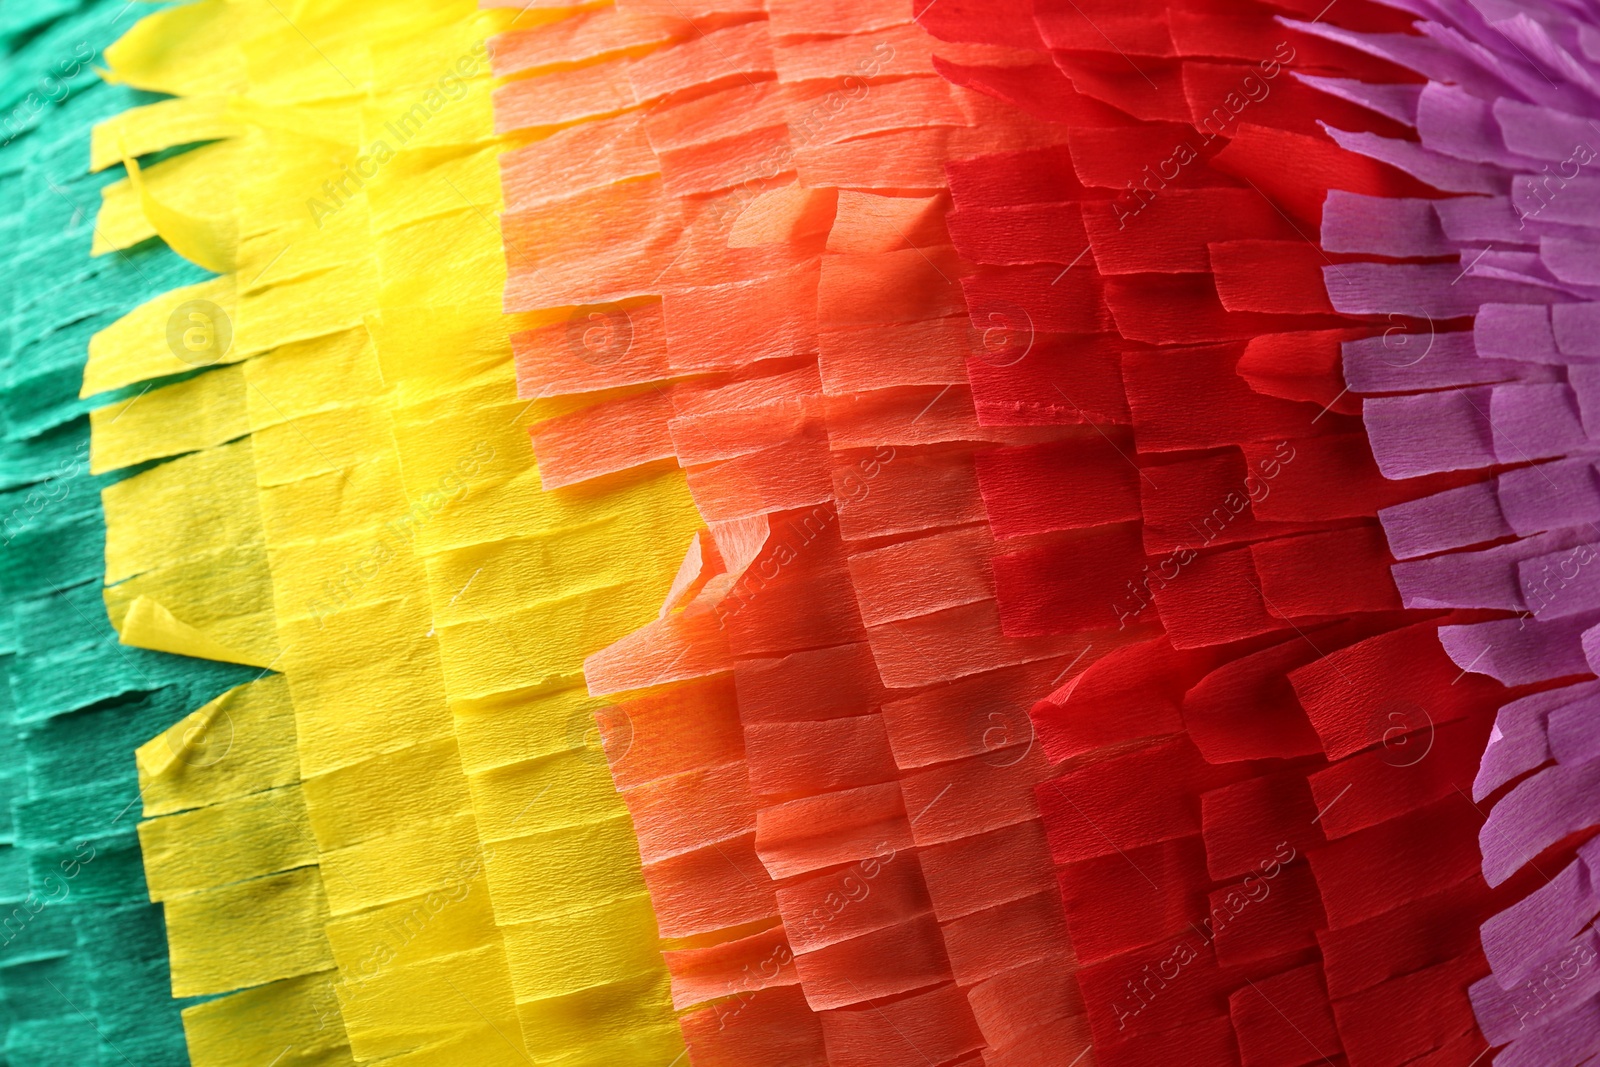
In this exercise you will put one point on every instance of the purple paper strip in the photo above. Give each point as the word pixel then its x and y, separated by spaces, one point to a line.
pixel 1568 980
pixel 1524 937
pixel 1510 116
pixel 1537 813
pixel 1455 518
pixel 1520 651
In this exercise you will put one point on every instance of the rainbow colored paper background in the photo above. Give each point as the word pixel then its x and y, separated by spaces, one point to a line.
pixel 783 532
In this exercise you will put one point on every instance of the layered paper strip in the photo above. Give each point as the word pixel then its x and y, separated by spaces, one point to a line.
pixel 1498 386
pixel 759 286
pixel 1262 836
pixel 83 957
pixel 1263 831
pixel 1070 522
pixel 409 848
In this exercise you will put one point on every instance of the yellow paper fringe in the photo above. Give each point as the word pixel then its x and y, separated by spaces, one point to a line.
pixel 404 845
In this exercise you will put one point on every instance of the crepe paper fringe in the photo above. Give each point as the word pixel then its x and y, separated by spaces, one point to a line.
pixel 83 964
pixel 1491 376
pixel 907 538
pixel 410 849
pixel 1262 829
pixel 757 284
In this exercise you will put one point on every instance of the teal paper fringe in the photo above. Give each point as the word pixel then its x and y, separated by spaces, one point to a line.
pixel 83 957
